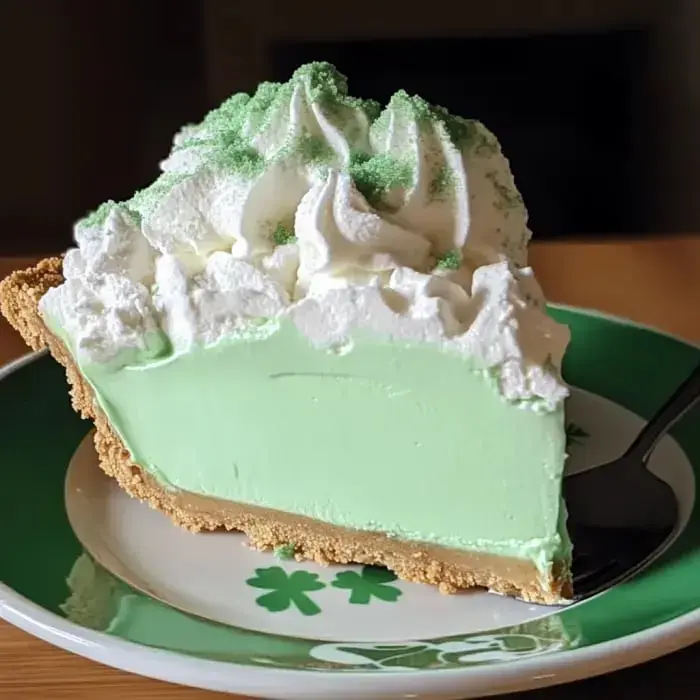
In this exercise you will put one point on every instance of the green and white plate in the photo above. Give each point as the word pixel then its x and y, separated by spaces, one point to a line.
pixel 219 615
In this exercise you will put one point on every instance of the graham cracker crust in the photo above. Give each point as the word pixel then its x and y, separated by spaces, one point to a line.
pixel 266 529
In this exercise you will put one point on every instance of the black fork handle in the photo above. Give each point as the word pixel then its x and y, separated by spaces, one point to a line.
pixel 683 400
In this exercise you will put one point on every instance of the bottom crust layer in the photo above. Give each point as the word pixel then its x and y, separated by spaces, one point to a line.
pixel 449 569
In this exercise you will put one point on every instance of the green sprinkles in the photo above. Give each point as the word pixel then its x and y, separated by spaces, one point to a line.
pixel 462 132
pixel 239 160
pixel 226 136
pixel 310 150
pixel 242 111
pixel 98 217
pixel 285 551
pixel 510 198
pixel 146 199
pixel 374 176
pixel 328 87
pixel 283 235
pixel 442 184
pixel 485 144
pixel 452 260
pixel 255 112
pixel 380 127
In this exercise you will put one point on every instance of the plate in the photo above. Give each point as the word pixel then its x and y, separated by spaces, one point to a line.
pixel 219 615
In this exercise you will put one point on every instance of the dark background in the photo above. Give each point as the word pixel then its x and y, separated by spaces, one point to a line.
pixel 596 102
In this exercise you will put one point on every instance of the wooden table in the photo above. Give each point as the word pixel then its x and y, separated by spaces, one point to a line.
pixel 656 282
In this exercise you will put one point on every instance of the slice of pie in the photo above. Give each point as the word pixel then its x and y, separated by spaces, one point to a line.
pixel 318 327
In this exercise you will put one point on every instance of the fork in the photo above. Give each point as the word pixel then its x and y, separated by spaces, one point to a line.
pixel 622 516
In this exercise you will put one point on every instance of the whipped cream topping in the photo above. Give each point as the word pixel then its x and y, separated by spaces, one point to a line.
pixel 301 202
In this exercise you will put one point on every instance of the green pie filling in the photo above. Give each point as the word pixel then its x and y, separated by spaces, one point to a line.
pixel 402 439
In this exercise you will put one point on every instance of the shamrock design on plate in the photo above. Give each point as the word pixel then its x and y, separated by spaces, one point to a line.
pixel 292 590
pixel 286 589
pixel 372 582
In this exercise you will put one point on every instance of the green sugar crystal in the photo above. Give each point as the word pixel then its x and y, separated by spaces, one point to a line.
pixel 267 102
pixel 462 132
pixel 97 218
pixel 374 176
pixel 451 260
pixel 238 159
pixel 285 551
pixel 484 144
pixel 311 150
pixel 509 198
pixel 254 112
pixel 242 116
pixel 328 87
pixel 247 117
pixel 442 183
pixel 283 235
pixel 380 127
pixel 237 119
pixel 416 106
pixel 314 149
pixel 240 110
pixel 147 198
pixel 325 82
pixel 224 140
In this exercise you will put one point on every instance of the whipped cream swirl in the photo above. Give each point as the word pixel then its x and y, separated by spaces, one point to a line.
pixel 301 202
